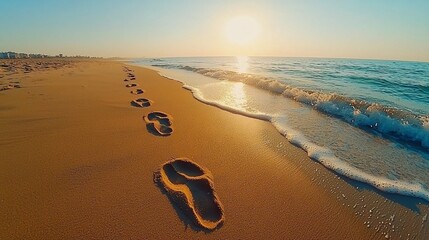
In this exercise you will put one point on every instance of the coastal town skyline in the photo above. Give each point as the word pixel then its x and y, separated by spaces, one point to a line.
pixel 20 55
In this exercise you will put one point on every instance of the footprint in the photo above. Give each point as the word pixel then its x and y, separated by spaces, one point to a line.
pixel 10 86
pixel 129 79
pixel 126 69
pixel 131 85
pixel 159 123
pixel 191 187
pixel 137 91
pixel 4 88
pixel 141 102
pixel 130 75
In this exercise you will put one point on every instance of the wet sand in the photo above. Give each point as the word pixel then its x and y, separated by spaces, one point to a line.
pixel 78 158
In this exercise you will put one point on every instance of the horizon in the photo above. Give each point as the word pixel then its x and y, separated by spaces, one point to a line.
pixel 219 56
pixel 309 57
pixel 308 29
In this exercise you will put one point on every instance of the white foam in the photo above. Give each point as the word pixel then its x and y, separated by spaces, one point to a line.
pixel 329 160
pixel 386 120
pixel 198 95
pixel 322 155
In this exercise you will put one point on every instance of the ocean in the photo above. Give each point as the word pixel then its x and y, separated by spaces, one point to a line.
pixel 367 120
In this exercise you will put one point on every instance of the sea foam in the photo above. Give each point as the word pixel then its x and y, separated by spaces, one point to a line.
pixel 397 123
pixel 320 154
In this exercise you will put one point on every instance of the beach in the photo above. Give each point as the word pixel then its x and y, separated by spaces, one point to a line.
pixel 78 162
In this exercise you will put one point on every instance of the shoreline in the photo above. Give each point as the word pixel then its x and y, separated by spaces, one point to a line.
pixel 79 164
pixel 371 211
pixel 316 152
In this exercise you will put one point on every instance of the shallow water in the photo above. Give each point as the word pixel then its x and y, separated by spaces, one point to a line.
pixel 365 119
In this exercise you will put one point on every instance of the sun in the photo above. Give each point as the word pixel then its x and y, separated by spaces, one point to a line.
pixel 242 30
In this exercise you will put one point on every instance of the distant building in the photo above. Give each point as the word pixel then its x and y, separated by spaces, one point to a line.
pixel 12 55
pixel 4 55
pixel 35 56
pixel 22 55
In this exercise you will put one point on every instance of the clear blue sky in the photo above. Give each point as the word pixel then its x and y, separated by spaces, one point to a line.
pixel 383 29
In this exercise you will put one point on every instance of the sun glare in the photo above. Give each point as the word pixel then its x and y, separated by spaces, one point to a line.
pixel 242 64
pixel 242 30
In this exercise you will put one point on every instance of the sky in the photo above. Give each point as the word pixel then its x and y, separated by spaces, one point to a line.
pixel 365 29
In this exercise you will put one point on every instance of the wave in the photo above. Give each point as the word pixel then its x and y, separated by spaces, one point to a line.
pixel 320 154
pixel 391 122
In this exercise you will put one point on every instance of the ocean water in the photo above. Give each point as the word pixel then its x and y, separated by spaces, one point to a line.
pixel 364 119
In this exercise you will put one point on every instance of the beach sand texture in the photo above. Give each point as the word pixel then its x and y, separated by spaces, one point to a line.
pixel 77 162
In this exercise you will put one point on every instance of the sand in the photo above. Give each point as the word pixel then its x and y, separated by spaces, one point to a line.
pixel 78 160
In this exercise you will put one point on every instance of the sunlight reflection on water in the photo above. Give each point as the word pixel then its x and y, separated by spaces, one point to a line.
pixel 234 95
pixel 242 64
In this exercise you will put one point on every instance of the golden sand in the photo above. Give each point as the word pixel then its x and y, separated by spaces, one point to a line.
pixel 77 162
